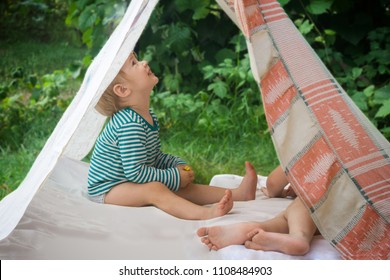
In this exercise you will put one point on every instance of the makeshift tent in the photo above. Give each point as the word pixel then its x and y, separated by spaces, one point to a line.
pixel 336 161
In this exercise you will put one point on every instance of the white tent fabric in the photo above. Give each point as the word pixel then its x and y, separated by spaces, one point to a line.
pixel 49 217
pixel 80 125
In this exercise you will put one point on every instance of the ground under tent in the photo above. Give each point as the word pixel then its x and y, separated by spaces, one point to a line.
pixel 335 159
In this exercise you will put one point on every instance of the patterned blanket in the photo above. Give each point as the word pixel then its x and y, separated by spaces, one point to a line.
pixel 335 159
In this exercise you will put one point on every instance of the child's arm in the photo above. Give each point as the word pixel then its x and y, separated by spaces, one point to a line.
pixel 164 160
pixel 133 153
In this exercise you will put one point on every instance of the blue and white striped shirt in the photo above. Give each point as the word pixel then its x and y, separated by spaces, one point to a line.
pixel 128 149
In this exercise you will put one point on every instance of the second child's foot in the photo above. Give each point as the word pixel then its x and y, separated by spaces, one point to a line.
pixel 218 237
pixel 247 189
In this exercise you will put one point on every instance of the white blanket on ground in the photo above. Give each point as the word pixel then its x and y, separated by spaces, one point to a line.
pixel 61 223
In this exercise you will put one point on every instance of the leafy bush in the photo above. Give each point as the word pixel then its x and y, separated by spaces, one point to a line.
pixel 36 19
pixel 95 19
pixel 28 97
pixel 32 102
pixel 230 104
pixel 354 47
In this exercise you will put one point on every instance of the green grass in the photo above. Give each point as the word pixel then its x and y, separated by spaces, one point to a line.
pixel 224 155
pixel 37 57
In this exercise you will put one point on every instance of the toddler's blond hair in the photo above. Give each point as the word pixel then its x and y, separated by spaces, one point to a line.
pixel 108 103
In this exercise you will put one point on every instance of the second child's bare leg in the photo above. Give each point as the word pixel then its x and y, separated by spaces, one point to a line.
pixel 204 194
pixel 295 242
pixel 218 237
pixel 156 194
pixel 276 181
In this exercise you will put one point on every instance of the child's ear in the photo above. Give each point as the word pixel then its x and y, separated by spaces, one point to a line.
pixel 121 90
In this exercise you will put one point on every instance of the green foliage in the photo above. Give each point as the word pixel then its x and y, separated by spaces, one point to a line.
pixel 95 20
pixel 19 109
pixel 318 7
pixel 354 45
pixel 227 106
pixel 33 96
pixel 35 19
pixel 188 45
pixel 232 95
pixel 27 93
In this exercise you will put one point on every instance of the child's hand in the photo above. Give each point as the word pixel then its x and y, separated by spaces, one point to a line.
pixel 285 192
pixel 288 192
pixel 186 175
pixel 265 191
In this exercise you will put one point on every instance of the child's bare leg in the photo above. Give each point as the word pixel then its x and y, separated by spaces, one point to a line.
pixel 204 194
pixel 276 182
pixel 296 242
pixel 280 242
pixel 155 193
pixel 277 178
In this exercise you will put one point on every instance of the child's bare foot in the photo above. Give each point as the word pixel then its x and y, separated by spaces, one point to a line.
pixel 218 237
pixel 247 189
pixel 222 207
pixel 280 242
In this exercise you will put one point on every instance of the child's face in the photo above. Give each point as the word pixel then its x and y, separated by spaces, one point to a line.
pixel 138 74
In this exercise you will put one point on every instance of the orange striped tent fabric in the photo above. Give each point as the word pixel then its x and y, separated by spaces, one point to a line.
pixel 335 159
